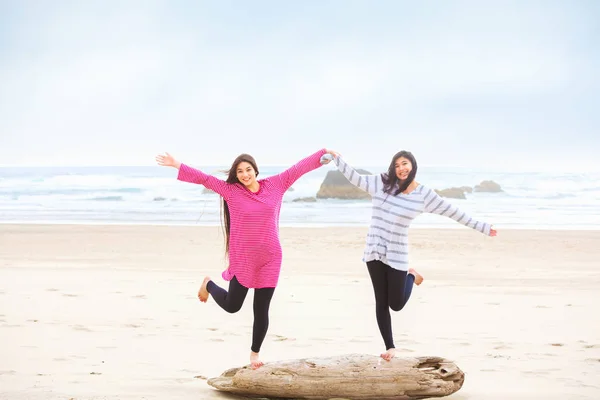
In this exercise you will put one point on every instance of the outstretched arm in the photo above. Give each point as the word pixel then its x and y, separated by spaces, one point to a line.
pixel 304 166
pixel 193 175
pixel 435 204
pixel 369 183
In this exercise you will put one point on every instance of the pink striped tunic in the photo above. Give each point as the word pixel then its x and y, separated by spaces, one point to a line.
pixel 254 248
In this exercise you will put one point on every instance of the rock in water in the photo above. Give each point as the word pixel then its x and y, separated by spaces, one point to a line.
pixel 336 186
pixel 453 193
pixel 488 186
pixel 350 376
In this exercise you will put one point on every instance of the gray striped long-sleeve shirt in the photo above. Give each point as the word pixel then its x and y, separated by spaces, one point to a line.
pixel 387 237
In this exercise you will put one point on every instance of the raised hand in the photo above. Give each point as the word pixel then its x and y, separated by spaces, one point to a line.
pixel 333 153
pixel 326 160
pixel 167 160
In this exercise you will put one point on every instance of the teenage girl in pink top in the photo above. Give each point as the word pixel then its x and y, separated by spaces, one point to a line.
pixel 251 220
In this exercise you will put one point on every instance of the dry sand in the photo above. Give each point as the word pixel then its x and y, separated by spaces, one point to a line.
pixel 94 312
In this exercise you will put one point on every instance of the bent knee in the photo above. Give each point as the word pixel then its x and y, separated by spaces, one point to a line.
pixel 397 307
pixel 233 309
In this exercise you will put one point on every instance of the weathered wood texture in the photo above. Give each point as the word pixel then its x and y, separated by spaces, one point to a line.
pixel 350 376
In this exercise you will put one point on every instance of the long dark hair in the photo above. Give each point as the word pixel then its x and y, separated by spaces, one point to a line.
pixel 391 181
pixel 232 178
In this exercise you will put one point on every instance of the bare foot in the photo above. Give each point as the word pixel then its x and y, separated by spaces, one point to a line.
pixel 203 293
pixel 388 355
pixel 254 361
pixel 418 276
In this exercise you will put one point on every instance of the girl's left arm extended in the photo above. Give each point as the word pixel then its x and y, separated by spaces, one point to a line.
pixel 287 178
pixel 435 204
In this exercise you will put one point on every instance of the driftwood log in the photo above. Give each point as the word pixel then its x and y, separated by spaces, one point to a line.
pixel 350 376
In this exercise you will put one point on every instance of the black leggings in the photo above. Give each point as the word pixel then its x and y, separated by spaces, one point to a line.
pixel 392 290
pixel 232 303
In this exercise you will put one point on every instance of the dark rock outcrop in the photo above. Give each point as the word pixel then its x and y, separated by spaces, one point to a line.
pixel 453 193
pixel 305 200
pixel 336 186
pixel 488 186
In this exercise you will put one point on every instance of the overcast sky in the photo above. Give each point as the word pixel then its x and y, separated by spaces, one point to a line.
pixel 459 83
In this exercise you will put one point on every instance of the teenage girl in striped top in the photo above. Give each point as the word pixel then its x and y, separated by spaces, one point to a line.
pixel 251 210
pixel 397 199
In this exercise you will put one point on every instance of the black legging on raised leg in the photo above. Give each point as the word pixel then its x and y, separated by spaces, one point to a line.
pixel 232 302
pixel 392 289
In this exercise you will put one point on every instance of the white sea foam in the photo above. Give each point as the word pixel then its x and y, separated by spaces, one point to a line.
pixel 153 195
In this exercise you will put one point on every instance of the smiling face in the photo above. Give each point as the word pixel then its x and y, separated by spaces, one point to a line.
pixel 245 174
pixel 402 167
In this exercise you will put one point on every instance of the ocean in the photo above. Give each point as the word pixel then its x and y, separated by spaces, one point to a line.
pixel 152 195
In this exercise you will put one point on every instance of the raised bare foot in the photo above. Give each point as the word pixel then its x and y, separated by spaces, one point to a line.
pixel 389 354
pixel 254 361
pixel 203 293
pixel 418 276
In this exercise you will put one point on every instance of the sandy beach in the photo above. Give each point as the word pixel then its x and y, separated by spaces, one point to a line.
pixel 110 312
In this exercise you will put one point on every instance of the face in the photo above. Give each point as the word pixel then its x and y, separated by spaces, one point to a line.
pixel 245 173
pixel 403 168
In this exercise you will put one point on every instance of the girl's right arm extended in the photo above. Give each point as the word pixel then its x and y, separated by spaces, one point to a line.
pixel 369 183
pixel 193 175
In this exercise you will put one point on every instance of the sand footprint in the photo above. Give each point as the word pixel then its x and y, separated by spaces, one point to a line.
pixel 187 371
pixel 142 335
pixel 536 372
pixel 52 290
pixel 400 350
pixel 233 333
pixel 280 338
pixel 81 328
pixel 359 340
pixel 325 340
pixel 490 355
pixel 408 341
pixel 70 295
pixel 301 345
